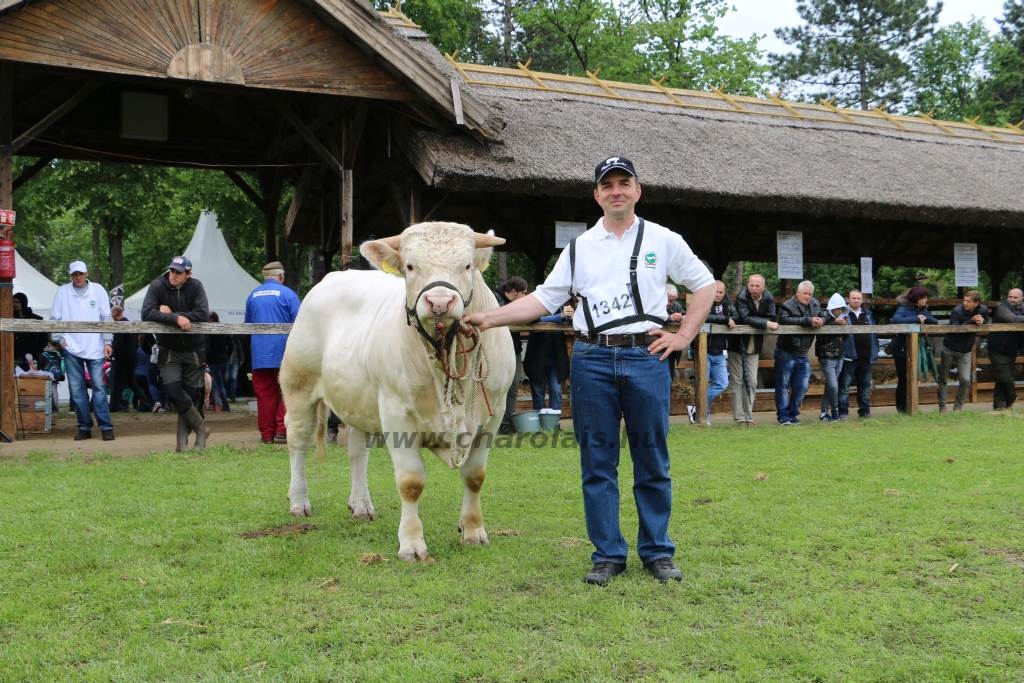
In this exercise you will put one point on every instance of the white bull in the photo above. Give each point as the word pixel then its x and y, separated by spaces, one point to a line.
pixel 360 347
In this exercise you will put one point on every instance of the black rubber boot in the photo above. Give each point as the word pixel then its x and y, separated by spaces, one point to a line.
pixel 197 424
pixel 182 441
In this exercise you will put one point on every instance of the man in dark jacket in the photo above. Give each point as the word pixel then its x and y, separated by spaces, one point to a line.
pixel 178 299
pixel 27 343
pixel 1003 348
pixel 792 367
pixel 755 307
pixel 859 355
pixel 957 349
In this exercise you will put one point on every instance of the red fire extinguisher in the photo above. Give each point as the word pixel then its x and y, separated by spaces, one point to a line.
pixel 6 258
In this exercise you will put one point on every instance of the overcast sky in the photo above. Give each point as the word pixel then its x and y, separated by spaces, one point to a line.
pixel 764 16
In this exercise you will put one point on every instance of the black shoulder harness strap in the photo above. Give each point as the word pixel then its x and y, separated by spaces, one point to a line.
pixel 634 290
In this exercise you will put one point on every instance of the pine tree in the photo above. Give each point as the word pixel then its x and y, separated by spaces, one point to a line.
pixel 855 51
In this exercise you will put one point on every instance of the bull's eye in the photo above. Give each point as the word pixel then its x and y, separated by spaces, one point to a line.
pixel 468 266
pixel 409 267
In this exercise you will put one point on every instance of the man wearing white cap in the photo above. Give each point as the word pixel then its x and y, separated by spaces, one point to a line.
pixel 82 300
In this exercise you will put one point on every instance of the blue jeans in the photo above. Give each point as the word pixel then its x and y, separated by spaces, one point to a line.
pixel 549 383
pixel 831 368
pixel 610 385
pixel 718 377
pixel 859 371
pixel 792 374
pixel 74 368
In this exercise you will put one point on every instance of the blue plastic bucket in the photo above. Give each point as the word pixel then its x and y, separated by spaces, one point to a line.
pixel 549 419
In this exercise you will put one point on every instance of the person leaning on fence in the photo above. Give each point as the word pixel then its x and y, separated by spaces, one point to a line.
pixel 792 366
pixel 829 348
pixel 27 344
pixel 860 354
pixel 1003 348
pixel 619 269
pixel 177 299
pixel 912 309
pixel 755 307
pixel 957 349
pixel 82 300
pixel 721 313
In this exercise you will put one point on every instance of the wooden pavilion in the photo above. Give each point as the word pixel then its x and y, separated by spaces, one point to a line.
pixel 375 129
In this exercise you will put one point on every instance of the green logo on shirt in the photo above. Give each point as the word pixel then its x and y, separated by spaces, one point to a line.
pixel 651 260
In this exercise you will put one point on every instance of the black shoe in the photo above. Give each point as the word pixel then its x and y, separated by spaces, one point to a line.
pixel 604 572
pixel 664 570
pixel 108 434
pixel 280 438
pixel 82 436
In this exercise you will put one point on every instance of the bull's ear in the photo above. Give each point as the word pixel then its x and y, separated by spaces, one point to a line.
pixel 482 258
pixel 487 240
pixel 383 254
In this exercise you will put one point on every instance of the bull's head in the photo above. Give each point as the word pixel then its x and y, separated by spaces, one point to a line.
pixel 439 262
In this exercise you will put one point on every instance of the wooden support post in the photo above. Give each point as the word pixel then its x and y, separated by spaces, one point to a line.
pixel 345 208
pixel 912 362
pixel 974 374
pixel 700 377
pixel 8 387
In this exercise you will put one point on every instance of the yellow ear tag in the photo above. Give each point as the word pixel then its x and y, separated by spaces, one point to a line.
pixel 388 268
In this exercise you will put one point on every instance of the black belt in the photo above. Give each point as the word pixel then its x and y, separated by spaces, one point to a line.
pixel 642 339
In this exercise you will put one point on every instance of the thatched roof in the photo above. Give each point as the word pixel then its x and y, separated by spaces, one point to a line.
pixel 716 151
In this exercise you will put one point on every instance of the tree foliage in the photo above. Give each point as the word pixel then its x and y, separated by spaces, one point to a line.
pixel 1003 94
pixel 855 51
pixel 950 71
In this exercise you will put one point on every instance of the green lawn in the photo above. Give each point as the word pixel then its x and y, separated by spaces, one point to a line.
pixel 888 550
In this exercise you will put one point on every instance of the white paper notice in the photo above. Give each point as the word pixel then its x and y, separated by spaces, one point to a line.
pixel 867 281
pixel 790 247
pixel 965 261
pixel 565 231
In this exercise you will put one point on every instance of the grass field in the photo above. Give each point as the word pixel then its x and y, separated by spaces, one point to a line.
pixel 887 550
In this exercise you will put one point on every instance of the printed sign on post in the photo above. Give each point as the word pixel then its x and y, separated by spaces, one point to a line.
pixel 867 280
pixel 790 249
pixel 566 230
pixel 7 217
pixel 965 261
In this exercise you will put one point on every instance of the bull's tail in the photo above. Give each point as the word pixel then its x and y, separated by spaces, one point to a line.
pixel 320 433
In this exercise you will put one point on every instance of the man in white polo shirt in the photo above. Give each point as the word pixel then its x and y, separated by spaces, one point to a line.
pixel 82 300
pixel 619 269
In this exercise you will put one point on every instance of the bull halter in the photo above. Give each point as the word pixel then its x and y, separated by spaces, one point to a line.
pixel 439 343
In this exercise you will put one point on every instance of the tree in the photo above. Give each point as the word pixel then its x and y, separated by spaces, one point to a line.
pixel 949 71
pixel 453 25
pixel 1003 94
pixel 855 50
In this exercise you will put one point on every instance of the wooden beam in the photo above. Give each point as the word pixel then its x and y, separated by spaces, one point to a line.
pixel 912 381
pixel 311 140
pixel 29 172
pixel 54 116
pixel 700 376
pixel 245 187
pixel 355 124
pixel 8 387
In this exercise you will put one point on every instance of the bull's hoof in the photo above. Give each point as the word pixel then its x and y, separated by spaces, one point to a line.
pixel 362 510
pixel 302 509
pixel 475 537
pixel 415 553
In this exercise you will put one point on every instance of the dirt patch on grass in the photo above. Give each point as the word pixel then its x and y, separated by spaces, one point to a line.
pixel 1008 555
pixel 285 530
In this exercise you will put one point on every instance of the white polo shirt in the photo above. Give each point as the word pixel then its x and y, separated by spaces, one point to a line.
pixel 602 275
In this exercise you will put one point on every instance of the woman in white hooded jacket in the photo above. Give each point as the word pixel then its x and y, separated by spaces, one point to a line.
pixel 829 348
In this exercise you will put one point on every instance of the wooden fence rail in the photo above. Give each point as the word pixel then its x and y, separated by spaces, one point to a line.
pixel 11 325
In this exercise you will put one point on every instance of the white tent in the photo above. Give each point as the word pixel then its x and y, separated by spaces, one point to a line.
pixel 39 289
pixel 227 284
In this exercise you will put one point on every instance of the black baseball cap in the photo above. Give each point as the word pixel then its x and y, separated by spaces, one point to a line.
pixel 611 164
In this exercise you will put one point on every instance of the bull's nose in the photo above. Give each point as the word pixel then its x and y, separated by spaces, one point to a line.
pixel 440 303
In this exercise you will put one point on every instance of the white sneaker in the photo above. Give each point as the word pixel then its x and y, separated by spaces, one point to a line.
pixel 691 412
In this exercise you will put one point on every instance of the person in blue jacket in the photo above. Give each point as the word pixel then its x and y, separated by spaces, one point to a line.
pixel 913 309
pixel 271 302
